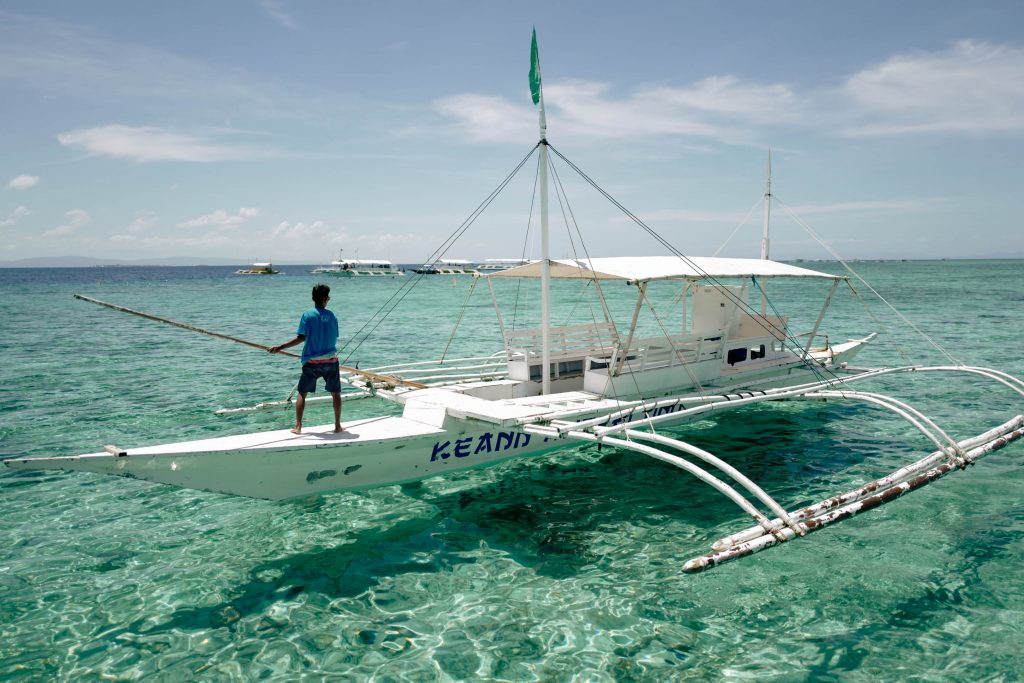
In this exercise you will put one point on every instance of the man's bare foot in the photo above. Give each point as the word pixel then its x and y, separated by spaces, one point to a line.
pixel 338 429
pixel 297 430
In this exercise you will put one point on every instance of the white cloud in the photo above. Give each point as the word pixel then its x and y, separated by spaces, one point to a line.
pixel 687 216
pixel 275 9
pixel 23 182
pixel 721 108
pixel 15 216
pixel 148 144
pixel 886 206
pixel 971 87
pixel 484 118
pixel 221 219
pixel 974 86
pixel 213 244
pixel 144 222
pixel 301 231
pixel 61 58
pixel 74 219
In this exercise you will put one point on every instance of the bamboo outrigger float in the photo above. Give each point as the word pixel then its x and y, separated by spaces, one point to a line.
pixel 558 386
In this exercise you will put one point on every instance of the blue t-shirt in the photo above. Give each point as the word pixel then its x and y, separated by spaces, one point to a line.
pixel 320 328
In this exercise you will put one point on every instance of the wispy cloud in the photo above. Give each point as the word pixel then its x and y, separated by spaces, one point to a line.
pixel 63 58
pixel 23 182
pixel 14 216
pixel 276 10
pixel 722 108
pixel 221 219
pixel 151 144
pixel 286 230
pixel 688 216
pixel 881 206
pixel 74 219
pixel 482 118
pixel 972 87
pixel 144 222
pixel 888 207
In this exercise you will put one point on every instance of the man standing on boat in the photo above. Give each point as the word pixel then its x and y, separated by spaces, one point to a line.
pixel 318 328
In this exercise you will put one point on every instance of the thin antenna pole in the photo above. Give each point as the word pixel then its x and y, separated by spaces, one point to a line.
pixel 545 251
pixel 545 255
pixel 764 235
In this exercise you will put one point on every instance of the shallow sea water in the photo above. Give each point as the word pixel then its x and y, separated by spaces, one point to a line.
pixel 564 566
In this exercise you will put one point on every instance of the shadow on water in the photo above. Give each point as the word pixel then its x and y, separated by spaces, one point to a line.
pixel 343 571
pixel 544 516
pixel 954 591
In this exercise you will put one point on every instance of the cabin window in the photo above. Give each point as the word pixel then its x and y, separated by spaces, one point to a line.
pixel 736 356
pixel 567 368
pixel 570 368
pixel 756 353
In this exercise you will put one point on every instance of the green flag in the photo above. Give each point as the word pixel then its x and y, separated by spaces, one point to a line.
pixel 535 70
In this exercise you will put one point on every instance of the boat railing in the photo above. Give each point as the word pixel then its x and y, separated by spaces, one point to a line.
pixel 663 352
pixel 803 338
pixel 572 340
pixel 448 371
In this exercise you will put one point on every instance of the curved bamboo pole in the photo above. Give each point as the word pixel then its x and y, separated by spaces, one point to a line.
pixel 387 379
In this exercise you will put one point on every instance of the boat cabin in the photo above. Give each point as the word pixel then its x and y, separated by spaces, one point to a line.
pixel 722 334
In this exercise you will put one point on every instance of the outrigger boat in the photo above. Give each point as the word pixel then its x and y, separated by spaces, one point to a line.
pixel 596 383
pixel 493 265
pixel 259 268
pixel 342 267
pixel 447 266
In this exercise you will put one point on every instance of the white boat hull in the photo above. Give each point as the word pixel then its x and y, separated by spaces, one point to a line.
pixel 439 434
pixel 279 465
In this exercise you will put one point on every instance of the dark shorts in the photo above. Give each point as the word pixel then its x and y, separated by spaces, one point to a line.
pixel 311 372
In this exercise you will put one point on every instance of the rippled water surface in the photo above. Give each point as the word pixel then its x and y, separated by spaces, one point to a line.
pixel 558 567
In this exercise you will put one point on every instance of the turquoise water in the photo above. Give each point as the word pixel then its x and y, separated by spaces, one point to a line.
pixel 559 567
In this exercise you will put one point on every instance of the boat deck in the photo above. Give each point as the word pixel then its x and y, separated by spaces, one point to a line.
pixel 431 406
pixel 372 429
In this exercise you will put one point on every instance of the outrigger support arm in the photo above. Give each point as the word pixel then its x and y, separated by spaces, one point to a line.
pixel 501 321
pixel 626 431
pixel 702 474
pixel 817 323
pixel 867 497
pixel 624 350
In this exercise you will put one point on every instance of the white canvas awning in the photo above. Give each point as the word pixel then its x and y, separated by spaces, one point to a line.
pixel 647 268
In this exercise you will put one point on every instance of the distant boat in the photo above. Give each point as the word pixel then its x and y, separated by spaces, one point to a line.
pixel 448 266
pixel 265 268
pixel 359 268
pixel 493 265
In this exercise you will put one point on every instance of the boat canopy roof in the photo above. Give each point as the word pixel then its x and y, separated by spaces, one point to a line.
pixel 647 268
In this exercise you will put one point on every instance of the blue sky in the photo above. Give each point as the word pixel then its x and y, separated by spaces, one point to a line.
pixel 290 130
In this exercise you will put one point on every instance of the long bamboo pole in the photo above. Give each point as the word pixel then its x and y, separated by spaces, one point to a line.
pixel 388 379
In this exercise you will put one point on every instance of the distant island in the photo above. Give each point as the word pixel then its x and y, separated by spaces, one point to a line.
pixel 87 261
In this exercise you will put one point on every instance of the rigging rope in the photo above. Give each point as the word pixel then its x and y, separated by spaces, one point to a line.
pixel 881 298
pixel 737 228
pixel 462 312
pixel 743 305
pixel 403 291
pixel 882 326
pixel 526 242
